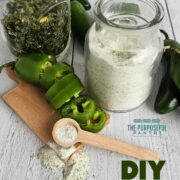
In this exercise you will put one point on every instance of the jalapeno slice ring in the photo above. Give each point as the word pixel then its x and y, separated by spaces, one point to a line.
pixel 80 109
pixel 97 123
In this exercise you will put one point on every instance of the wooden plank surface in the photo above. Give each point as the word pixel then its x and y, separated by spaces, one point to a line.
pixel 18 144
pixel 173 9
pixel 106 165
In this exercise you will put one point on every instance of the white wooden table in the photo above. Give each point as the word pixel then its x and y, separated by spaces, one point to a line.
pixel 18 144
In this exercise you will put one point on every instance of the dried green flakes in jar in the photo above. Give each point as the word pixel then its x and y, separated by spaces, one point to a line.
pixel 39 26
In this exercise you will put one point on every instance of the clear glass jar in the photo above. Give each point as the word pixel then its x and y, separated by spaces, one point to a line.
pixel 36 26
pixel 123 51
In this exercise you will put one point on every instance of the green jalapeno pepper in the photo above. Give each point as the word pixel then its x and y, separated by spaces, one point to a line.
pixel 175 68
pixel 81 20
pixel 85 3
pixel 172 44
pixel 30 67
pixel 63 90
pixel 167 100
pixel 57 71
pixel 96 123
pixel 80 109
pixel 168 96
pixel 174 47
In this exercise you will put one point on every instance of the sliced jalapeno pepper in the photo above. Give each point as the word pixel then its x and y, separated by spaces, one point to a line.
pixel 97 122
pixel 63 90
pixel 30 67
pixel 57 71
pixel 80 109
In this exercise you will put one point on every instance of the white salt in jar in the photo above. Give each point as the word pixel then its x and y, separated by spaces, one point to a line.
pixel 123 50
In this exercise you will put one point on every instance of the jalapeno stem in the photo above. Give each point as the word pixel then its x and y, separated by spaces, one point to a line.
pixel 9 64
pixel 164 33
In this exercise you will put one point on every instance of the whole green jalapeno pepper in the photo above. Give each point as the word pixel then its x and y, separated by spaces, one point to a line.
pixel 167 100
pixel 175 68
pixel 172 44
pixel 168 96
pixel 30 67
pixel 63 90
pixel 173 47
pixel 55 72
pixel 96 123
pixel 81 20
pixel 80 109
pixel 85 3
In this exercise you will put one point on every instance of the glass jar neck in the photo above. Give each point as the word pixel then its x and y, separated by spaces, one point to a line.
pixel 130 16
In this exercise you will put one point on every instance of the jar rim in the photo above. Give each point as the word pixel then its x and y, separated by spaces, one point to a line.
pixel 159 15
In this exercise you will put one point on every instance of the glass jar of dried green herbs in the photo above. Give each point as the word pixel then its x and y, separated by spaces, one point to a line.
pixel 38 26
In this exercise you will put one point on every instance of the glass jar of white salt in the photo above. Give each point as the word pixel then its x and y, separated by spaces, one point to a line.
pixel 123 51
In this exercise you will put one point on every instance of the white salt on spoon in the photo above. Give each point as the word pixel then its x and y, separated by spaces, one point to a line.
pixel 67 132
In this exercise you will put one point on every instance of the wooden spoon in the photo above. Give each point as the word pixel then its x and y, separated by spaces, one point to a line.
pixel 103 142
